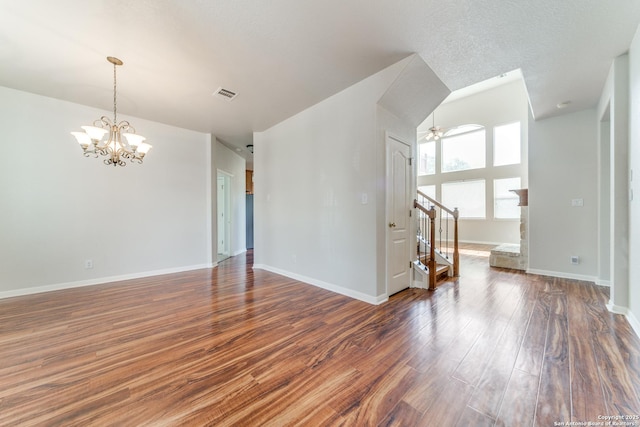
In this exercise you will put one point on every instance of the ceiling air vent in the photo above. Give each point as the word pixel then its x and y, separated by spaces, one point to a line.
pixel 225 94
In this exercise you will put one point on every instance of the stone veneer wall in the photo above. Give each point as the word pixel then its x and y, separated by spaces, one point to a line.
pixel 514 256
pixel 524 239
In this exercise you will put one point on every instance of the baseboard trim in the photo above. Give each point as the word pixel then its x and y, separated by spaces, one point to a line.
pixel 325 285
pixel 601 282
pixel 240 252
pixel 562 275
pixel 617 309
pixel 631 318
pixel 100 281
pixel 633 321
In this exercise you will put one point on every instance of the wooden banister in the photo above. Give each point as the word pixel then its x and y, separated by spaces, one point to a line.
pixel 432 265
pixel 431 262
pixel 456 251
pixel 437 203
pixel 431 213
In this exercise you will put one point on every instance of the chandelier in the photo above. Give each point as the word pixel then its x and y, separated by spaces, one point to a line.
pixel 93 142
pixel 435 132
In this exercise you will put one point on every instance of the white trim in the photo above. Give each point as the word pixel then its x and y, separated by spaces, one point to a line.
pixel 224 172
pixel 601 282
pixel 617 309
pixel 419 284
pixel 209 198
pixel 228 212
pixel 100 281
pixel 562 275
pixel 413 179
pixel 241 251
pixel 633 321
pixel 631 318
pixel 324 285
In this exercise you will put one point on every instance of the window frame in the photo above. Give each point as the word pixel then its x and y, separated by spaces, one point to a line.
pixel 451 135
pixel 495 141
pixel 495 199
pixel 461 210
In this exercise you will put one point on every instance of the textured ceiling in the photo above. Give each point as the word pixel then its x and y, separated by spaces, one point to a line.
pixel 283 56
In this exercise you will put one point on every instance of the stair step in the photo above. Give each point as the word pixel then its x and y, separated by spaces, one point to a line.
pixel 442 274
pixel 441 269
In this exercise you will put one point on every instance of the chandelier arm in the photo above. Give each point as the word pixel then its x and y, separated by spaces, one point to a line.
pixel 103 121
pixel 119 143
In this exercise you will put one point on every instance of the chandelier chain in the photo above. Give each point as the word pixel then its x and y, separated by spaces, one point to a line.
pixel 115 117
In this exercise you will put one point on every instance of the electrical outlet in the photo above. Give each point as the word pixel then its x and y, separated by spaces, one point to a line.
pixel 577 202
pixel 88 264
pixel 575 259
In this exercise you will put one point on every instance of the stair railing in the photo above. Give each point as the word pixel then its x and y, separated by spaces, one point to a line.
pixel 426 233
pixel 442 241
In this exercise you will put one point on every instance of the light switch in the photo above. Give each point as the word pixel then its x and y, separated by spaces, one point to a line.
pixel 577 202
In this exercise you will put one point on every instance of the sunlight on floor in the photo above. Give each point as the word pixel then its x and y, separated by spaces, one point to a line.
pixel 476 252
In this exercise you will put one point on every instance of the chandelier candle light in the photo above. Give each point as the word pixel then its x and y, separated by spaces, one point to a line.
pixel 132 147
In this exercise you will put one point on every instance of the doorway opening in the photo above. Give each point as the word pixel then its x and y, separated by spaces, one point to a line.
pixel 224 215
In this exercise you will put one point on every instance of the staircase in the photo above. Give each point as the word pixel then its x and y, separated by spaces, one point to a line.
pixel 438 256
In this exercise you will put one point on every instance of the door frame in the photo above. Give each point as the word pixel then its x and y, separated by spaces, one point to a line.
pixel 411 188
pixel 226 211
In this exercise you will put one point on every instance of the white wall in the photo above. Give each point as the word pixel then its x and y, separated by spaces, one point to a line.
pixel 60 208
pixel 414 94
pixel 498 106
pixel 563 166
pixel 311 175
pixel 234 165
pixel 634 165
pixel 614 104
pixel 319 181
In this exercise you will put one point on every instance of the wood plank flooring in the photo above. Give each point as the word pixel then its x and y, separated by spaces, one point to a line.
pixel 237 347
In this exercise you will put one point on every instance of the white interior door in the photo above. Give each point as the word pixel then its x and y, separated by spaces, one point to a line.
pixel 224 219
pixel 398 220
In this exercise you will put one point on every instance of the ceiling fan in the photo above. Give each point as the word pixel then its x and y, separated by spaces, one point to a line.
pixel 435 132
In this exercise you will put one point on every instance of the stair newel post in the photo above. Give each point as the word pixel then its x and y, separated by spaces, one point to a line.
pixel 456 253
pixel 432 251
pixel 420 228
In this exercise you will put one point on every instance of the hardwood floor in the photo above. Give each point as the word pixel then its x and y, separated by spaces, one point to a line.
pixel 231 346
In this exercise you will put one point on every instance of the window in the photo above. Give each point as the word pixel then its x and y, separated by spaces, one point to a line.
pixel 463 151
pixel 427 158
pixel 429 190
pixel 505 202
pixel 506 144
pixel 467 196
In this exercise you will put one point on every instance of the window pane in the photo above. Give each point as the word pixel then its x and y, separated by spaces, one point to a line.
pixel 462 152
pixel 427 156
pixel 505 201
pixel 462 129
pixel 506 144
pixel 429 190
pixel 467 196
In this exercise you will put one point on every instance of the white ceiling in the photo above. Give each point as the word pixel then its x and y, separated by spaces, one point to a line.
pixel 282 56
